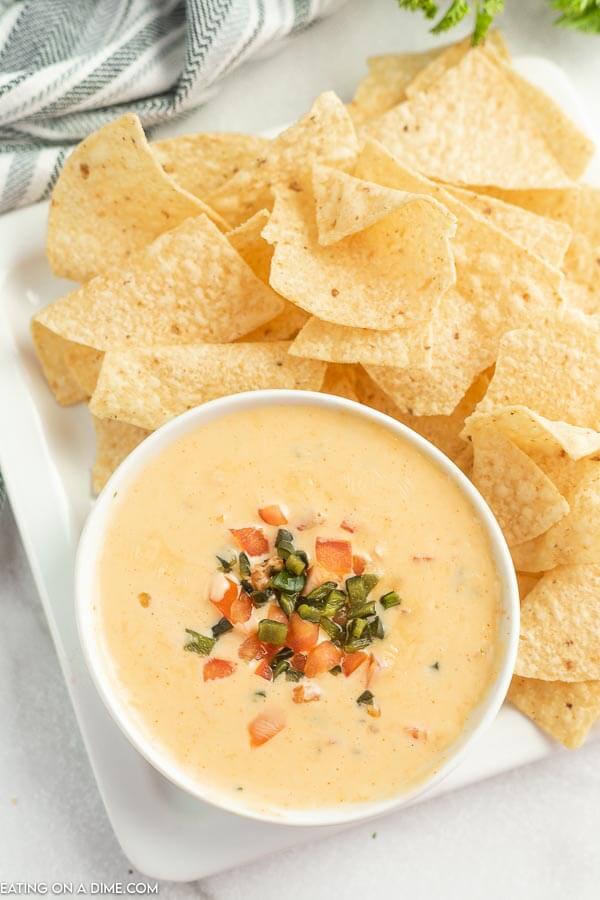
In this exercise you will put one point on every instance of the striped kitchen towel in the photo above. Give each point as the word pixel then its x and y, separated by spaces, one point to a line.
pixel 69 66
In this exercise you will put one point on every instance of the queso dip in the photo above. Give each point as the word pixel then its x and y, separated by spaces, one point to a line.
pixel 300 606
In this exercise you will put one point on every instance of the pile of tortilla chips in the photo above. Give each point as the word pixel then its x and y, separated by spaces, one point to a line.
pixel 428 250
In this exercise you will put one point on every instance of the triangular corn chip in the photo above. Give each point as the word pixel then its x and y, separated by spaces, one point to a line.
pixel 325 134
pixel 344 344
pixel 560 626
pixel 112 199
pixel 547 237
pixel 388 276
pixel 202 163
pixel 555 371
pixel 84 364
pixel 565 710
pixel 345 205
pixel 114 441
pixel 439 131
pixel 189 285
pixel 51 350
pixel 148 387
pixel 523 499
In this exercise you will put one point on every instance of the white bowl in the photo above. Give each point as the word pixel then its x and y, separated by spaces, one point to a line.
pixel 87 604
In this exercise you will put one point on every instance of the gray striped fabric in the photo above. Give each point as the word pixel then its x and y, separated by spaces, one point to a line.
pixel 69 66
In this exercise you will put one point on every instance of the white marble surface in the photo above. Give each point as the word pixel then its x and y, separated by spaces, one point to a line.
pixel 530 834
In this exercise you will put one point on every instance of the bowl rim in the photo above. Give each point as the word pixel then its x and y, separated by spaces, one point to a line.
pixel 86 591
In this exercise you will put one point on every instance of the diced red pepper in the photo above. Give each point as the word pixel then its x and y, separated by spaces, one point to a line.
pixel 358 564
pixel 322 658
pixel 352 661
pixel 264 670
pixel 347 525
pixel 240 610
pixel 302 635
pixel 335 556
pixel 224 602
pixel 298 661
pixel 251 540
pixel 265 726
pixel 252 648
pixel 302 694
pixel 217 668
pixel 272 515
pixel 276 614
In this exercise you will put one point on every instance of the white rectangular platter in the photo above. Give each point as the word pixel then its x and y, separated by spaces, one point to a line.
pixel 45 456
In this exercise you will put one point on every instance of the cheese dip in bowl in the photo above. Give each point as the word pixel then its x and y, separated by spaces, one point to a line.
pixel 295 607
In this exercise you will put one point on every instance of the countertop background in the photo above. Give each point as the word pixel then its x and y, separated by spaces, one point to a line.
pixel 532 833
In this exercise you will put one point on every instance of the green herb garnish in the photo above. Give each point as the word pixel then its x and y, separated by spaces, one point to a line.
pixel 244 564
pixel 392 598
pixel 310 613
pixel 319 594
pixel 295 564
pixel 272 632
pixel 337 670
pixel 259 598
pixel 279 668
pixel 334 631
pixel 287 602
pixel 226 565
pixel 285 581
pixel 222 627
pixel 294 675
pixel 199 643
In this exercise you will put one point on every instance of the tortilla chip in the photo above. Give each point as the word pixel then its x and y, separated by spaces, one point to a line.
pixel 189 285
pixel 527 581
pixel 538 234
pixel 390 75
pixel 345 205
pixel 114 441
pixel 325 134
pixel 473 316
pixel 149 387
pixel 51 352
pixel 438 131
pixel 202 163
pixel 566 711
pixel 555 371
pixel 385 84
pixel 112 199
pixel 523 499
pixel 283 327
pixel 84 364
pixel 391 274
pixel 576 537
pixel 494 47
pixel 560 627
pixel 535 434
pixel 247 239
pixel 443 431
pixel 341 381
pixel 572 149
pixel 343 344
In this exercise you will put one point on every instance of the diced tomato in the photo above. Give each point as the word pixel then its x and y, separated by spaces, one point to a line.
pixel 347 525
pixel 322 658
pixel 335 556
pixel 358 564
pixel 352 661
pixel 265 726
pixel 251 540
pixel 252 648
pixel 305 693
pixel 276 614
pixel 302 635
pixel 272 515
pixel 223 593
pixel 217 668
pixel 298 661
pixel 240 610
pixel 264 670
pixel 372 669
